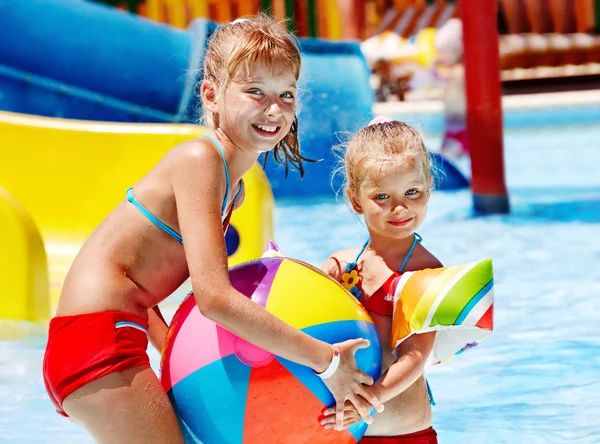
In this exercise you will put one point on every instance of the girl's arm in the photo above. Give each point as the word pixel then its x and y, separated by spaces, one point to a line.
pixel 412 357
pixel 412 353
pixel 199 186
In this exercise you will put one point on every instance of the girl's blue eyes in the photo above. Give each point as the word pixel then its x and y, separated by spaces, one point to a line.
pixel 382 196
pixel 258 92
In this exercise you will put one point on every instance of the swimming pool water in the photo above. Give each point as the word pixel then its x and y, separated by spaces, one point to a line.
pixel 534 380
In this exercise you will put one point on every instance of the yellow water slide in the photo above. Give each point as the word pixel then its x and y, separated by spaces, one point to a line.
pixel 59 178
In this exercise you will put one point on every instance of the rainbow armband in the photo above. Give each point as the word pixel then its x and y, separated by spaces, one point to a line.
pixel 456 302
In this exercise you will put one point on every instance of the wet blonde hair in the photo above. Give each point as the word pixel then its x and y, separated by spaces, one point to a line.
pixel 389 142
pixel 233 50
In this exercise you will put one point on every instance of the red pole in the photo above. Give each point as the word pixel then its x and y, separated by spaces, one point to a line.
pixel 484 105
pixel 353 17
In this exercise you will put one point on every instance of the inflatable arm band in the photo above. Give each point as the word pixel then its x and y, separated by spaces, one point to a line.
pixel 457 302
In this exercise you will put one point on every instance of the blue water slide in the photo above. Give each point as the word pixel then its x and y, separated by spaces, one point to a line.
pixel 78 59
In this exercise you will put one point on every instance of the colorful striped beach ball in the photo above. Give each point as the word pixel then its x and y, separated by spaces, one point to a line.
pixel 226 390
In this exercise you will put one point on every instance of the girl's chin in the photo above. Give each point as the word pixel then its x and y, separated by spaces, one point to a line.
pixel 265 147
pixel 262 150
pixel 258 146
pixel 399 233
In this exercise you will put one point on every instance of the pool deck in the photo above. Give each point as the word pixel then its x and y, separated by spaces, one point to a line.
pixel 517 101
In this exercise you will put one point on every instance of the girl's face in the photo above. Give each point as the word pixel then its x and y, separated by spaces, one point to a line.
pixel 257 111
pixel 393 200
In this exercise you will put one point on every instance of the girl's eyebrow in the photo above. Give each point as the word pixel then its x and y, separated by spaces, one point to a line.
pixel 260 82
pixel 415 181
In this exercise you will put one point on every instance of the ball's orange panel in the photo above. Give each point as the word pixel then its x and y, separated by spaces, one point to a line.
pixel 293 411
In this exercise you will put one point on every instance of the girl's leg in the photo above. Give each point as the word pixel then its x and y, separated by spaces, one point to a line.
pixel 125 407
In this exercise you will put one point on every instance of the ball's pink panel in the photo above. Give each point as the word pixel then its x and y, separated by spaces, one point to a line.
pixel 195 341
pixel 250 354
pixel 199 342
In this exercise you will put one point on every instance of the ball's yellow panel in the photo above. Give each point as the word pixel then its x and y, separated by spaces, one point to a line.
pixel 303 296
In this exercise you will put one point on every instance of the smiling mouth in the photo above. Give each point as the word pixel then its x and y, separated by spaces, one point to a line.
pixel 399 223
pixel 266 130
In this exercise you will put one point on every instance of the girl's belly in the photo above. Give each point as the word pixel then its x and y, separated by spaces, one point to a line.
pixel 407 413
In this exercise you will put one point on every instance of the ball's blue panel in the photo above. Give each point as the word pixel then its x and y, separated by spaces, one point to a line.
pixel 194 399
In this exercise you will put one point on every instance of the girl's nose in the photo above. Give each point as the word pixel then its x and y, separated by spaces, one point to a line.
pixel 274 110
pixel 399 208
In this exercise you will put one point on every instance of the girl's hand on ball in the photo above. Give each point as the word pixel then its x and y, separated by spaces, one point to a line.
pixel 348 384
pixel 351 417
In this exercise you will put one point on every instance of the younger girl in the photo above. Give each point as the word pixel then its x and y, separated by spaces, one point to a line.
pixel 170 226
pixel 388 181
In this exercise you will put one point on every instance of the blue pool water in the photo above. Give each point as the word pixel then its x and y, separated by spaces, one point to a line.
pixel 534 380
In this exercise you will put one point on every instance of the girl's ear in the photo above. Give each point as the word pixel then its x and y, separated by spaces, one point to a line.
pixel 209 94
pixel 354 201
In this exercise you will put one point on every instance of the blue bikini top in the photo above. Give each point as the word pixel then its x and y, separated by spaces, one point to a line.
pixel 171 232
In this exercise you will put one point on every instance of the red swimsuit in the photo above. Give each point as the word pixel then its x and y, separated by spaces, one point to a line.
pixel 382 300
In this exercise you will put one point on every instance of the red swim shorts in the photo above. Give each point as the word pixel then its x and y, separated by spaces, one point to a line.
pixel 427 436
pixel 86 347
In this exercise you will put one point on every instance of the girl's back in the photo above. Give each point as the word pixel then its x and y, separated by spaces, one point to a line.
pixel 134 268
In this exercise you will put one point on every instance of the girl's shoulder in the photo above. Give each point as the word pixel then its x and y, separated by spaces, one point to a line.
pixel 196 156
pixel 195 166
pixel 422 260
pixel 336 263
pixel 200 149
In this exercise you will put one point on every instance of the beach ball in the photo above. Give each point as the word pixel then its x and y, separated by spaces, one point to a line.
pixel 226 390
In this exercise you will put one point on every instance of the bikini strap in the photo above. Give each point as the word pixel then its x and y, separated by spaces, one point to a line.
pixel 227 186
pixel 239 191
pixel 235 198
pixel 430 393
pixel 417 237
pixel 352 264
pixel 170 231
